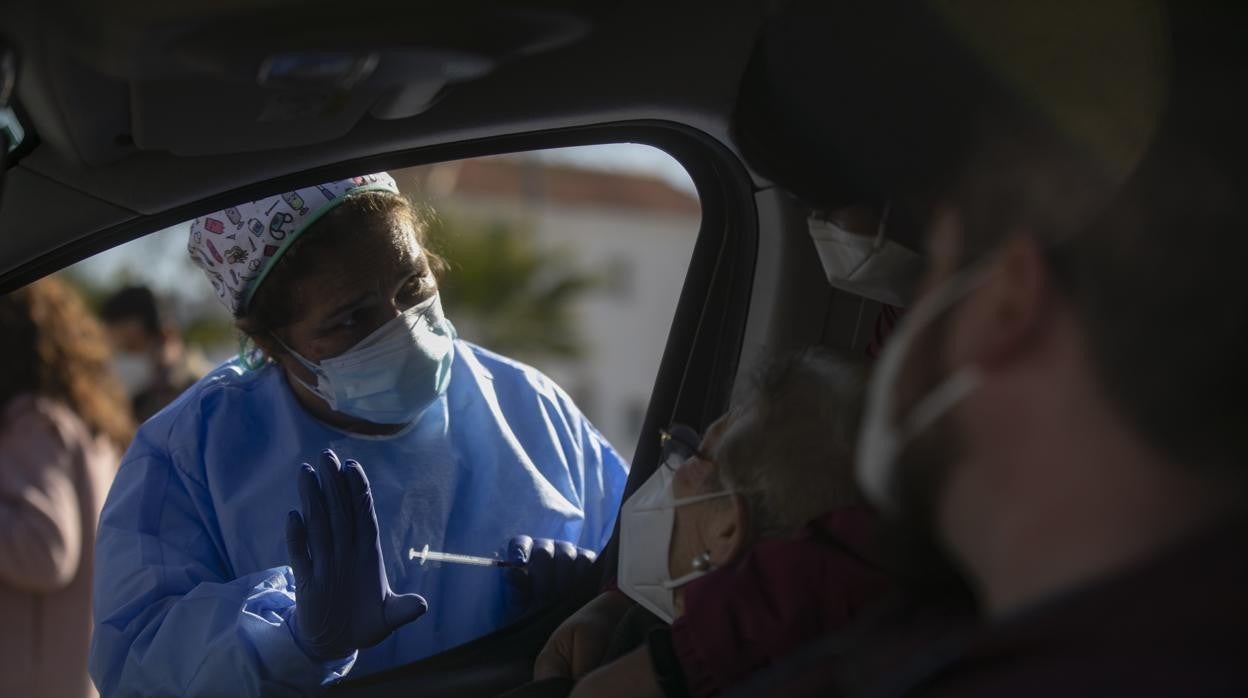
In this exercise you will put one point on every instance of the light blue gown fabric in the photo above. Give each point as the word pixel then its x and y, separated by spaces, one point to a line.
pixel 192 591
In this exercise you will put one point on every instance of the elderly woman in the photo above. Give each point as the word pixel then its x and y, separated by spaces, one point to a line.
pixel 748 544
pixel 227 568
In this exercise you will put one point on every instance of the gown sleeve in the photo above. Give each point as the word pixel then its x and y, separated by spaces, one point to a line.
pixel 170 619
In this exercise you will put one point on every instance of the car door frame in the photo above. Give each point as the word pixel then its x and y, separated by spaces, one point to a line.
pixel 693 383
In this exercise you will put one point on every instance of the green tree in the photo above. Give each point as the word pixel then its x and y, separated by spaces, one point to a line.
pixel 506 293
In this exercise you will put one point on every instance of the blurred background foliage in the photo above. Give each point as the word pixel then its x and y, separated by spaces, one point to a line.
pixel 500 289
pixel 505 292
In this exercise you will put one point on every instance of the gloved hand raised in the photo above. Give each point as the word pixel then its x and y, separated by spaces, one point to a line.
pixel 343 598
pixel 551 567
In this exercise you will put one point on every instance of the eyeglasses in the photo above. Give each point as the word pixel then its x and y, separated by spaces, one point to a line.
pixel 677 444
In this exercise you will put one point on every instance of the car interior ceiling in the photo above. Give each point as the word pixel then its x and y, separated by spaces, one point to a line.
pixel 110 187
pixel 114 160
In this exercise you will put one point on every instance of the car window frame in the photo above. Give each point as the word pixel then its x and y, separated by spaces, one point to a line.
pixel 693 381
pixel 693 385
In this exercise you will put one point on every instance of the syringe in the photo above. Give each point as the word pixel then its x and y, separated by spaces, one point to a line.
pixel 427 555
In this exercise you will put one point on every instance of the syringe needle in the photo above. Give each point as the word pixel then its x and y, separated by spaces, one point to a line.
pixel 427 555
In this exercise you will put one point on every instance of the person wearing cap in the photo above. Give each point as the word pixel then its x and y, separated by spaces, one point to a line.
pixel 229 565
pixel 149 356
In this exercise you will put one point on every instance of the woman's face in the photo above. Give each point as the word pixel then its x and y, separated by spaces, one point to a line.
pixel 343 293
pixel 355 287
pixel 713 526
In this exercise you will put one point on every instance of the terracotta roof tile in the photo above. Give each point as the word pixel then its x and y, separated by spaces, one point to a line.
pixel 518 179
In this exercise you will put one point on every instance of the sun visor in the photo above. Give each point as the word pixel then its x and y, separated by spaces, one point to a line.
pixel 264 78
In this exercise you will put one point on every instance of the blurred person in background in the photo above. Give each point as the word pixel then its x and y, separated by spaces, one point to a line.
pixel 63 424
pixel 151 360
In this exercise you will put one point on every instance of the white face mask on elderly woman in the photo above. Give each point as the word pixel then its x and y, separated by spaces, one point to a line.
pixel 646 522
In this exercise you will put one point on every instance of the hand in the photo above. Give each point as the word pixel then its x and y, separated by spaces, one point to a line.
pixel 343 597
pixel 551 567
pixel 630 676
pixel 579 643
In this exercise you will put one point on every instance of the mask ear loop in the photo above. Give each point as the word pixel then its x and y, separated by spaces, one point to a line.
pixel 956 386
pixel 316 371
pixel 862 307
pixel 250 356
pixel 877 244
pixel 950 392
pixel 882 228
pixel 682 580
pixel 701 562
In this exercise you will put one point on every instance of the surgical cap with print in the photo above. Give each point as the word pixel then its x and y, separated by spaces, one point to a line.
pixel 237 247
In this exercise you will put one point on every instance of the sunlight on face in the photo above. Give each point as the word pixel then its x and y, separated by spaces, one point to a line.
pixel 692 478
pixel 357 285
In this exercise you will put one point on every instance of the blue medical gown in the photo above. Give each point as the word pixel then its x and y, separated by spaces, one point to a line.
pixel 193 595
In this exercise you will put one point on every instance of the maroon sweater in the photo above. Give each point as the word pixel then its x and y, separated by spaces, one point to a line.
pixel 778 596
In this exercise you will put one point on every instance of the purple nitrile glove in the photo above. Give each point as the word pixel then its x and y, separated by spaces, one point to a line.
pixel 550 569
pixel 343 600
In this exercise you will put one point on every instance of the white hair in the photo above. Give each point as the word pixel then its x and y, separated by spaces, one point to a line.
pixel 789 445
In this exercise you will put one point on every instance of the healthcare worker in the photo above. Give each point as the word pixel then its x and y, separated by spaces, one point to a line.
pixel 350 357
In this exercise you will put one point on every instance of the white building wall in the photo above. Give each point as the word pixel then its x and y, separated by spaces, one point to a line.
pixel 625 325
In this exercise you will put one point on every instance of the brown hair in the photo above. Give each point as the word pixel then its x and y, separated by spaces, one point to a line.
pixel 789 448
pixel 53 347
pixel 273 305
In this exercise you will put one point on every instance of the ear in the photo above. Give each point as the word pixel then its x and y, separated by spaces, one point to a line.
pixel 727 530
pixel 274 350
pixel 267 344
pixel 1006 313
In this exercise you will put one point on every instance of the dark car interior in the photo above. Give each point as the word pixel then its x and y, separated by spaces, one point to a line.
pixel 140 115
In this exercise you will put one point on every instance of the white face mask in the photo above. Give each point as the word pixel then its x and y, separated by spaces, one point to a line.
pixel 881 441
pixel 875 268
pixel 393 374
pixel 646 521
pixel 134 370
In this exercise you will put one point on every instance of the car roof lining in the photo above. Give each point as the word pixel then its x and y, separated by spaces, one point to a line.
pixel 686 73
pixel 89 225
